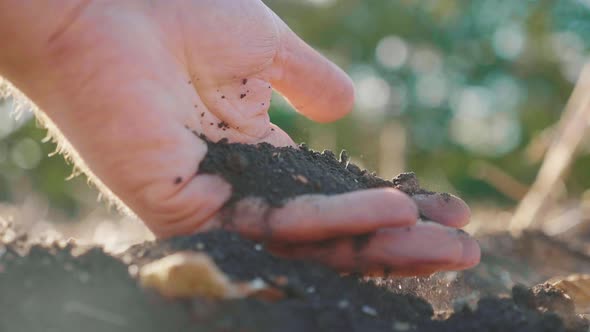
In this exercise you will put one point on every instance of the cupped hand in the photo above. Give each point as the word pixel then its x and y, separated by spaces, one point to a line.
pixel 129 82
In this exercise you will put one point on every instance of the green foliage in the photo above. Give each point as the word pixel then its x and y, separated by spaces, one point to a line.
pixel 505 65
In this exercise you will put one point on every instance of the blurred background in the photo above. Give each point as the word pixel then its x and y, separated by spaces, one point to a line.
pixel 466 93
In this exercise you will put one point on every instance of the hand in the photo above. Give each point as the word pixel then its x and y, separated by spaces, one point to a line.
pixel 122 80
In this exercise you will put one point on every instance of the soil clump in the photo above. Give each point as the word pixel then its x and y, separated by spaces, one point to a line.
pixel 279 173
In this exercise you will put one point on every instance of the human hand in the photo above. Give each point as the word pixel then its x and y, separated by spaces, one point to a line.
pixel 123 80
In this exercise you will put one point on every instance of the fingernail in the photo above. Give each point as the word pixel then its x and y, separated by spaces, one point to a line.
pixel 471 252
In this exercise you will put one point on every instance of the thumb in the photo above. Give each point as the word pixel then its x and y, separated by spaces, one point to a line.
pixel 314 85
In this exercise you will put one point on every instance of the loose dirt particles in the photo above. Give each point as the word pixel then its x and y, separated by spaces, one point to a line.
pixel 63 287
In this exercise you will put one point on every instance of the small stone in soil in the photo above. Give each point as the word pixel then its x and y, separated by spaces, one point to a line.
pixel 369 311
pixel 343 304
pixel 344 157
pixel 237 162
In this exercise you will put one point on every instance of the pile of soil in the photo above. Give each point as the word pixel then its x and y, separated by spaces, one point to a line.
pixel 64 287
pixel 279 173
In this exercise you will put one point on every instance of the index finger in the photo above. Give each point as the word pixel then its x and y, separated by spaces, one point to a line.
pixel 310 218
pixel 314 85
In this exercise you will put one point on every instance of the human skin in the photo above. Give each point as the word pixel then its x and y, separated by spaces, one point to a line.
pixel 122 80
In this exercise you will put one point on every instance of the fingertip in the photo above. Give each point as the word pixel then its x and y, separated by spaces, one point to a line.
pixel 314 85
pixel 337 105
pixel 443 208
pixel 471 253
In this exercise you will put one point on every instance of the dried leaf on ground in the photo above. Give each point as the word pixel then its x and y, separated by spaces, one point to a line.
pixel 190 274
pixel 577 287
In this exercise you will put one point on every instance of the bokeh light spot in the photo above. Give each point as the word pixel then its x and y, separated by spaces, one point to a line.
pixel 431 90
pixel 392 52
pixel 373 93
pixel 492 135
pixel 3 152
pixel 425 59
pixel 26 154
pixel 509 41
pixel 473 101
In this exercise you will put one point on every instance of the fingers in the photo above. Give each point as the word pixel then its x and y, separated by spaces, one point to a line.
pixel 315 86
pixel 443 208
pixel 421 249
pixel 190 208
pixel 318 217
pixel 471 253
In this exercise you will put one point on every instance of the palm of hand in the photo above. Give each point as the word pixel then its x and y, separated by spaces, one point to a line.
pixel 133 76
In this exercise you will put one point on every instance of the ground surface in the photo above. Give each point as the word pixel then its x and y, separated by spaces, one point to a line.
pixel 63 287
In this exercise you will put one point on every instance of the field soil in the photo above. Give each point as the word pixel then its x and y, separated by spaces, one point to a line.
pixel 61 286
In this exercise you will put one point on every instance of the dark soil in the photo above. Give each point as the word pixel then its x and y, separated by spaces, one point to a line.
pixel 59 288
pixel 63 287
pixel 277 174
